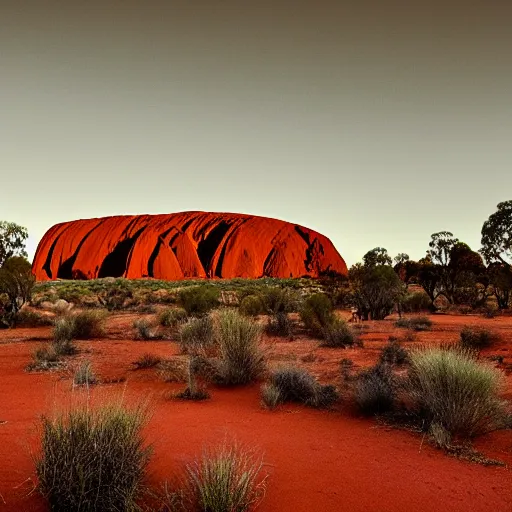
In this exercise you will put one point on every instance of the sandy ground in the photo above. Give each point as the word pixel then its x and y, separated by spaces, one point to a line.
pixel 317 460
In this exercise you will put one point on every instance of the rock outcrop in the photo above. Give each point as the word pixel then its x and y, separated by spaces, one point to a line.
pixel 184 245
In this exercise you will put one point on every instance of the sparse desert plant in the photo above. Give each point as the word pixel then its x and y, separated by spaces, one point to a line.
pixel 270 395
pixel 199 300
pixel 147 360
pixel 416 323
pixel 197 367
pixel 374 391
pixel 338 334
pixel 240 358
pixel 477 338
pixel 394 354
pixel 197 335
pixel 279 300
pixel 172 317
pixel 45 358
pixel 226 479
pixel 293 384
pixel 84 326
pixel 145 330
pixel 450 388
pixel 280 324
pixel 317 312
pixel 173 370
pixel 84 374
pixel 93 459
pixel 28 318
pixel 252 305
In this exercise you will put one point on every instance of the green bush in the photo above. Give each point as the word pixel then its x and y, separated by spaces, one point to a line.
pixel 252 305
pixel 84 326
pixel 452 389
pixel 374 390
pixel 240 358
pixel 172 317
pixel 226 479
pixel 280 324
pixel 317 312
pixel 279 300
pixel 292 384
pixel 338 334
pixel 197 336
pixel 477 338
pixel 93 459
pixel 416 302
pixel 199 300
pixel 416 323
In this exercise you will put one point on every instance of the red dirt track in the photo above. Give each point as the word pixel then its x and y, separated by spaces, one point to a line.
pixel 184 245
pixel 317 460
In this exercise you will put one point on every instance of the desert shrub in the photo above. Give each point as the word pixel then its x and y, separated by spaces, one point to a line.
pixel 192 394
pixel 27 318
pixel 199 300
pixel 477 338
pixel 394 354
pixel 450 388
pixel 252 305
pixel 172 317
pixel 489 311
pixel 173 370
pixel 374 391
pixel 84 325
pixel 415 323
pixel 197 335
pixel 93 459
pixel 240 358
pixel 45 358
pixel 84 374
pixel 280 324
pixel 226 479
pixel 317 312
pixel 144 330
pixel 416 302
pixel 115 297
pixel 338 334
pixel 147 360
pixel 279 300
pixel 292 384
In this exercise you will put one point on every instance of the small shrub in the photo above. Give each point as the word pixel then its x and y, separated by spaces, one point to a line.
pixel 270 396
pixel 147 360
pixel 226 479
pixel 64 330
pixel 172 317
pixel 280 324
pixel 199 300
pixel 252 305
pixel 45 358
pixel 394 354
pixel 197 335
pixel 374 390
pixel 84 375
pixel 416 302
pixel 416 323
pixel 192 394
pixel 338 334
pixel 317 313
pixel 298 385
pixel 84 326
pixel 93 459
pixel 279 300
pixel 27 318
pixel 452 389
pixel 144 330
pixel 477 338
pixel 489 311
pixel 173 370
pixel 240 358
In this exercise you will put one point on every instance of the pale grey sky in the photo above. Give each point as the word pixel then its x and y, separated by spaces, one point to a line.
pixel 376 124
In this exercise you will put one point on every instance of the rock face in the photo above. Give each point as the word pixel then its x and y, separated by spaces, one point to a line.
pixel 183 245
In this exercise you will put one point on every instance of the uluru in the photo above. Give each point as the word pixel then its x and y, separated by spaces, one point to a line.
pixel 184 245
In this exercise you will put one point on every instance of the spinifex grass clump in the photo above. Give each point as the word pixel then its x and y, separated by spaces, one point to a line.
pixel 453 391
pixel 292 384
pixel 226 479
pixel 374 390
pixel 416 323
pixel 82 326
pixel 197 335
pixel 339 334
pixel 317 313
pixel 241 360
pixel 199 300
pixel 477 338
pixel 93 460
pixel 172 317
pixel 84 375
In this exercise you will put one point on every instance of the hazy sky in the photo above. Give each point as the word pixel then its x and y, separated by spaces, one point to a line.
pixel 376 123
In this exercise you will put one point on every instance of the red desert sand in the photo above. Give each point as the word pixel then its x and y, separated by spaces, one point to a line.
pixel 184 245
pixel 317 460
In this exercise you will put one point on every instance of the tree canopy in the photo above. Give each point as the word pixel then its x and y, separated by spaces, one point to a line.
pixel 497 235
pixel 12 241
